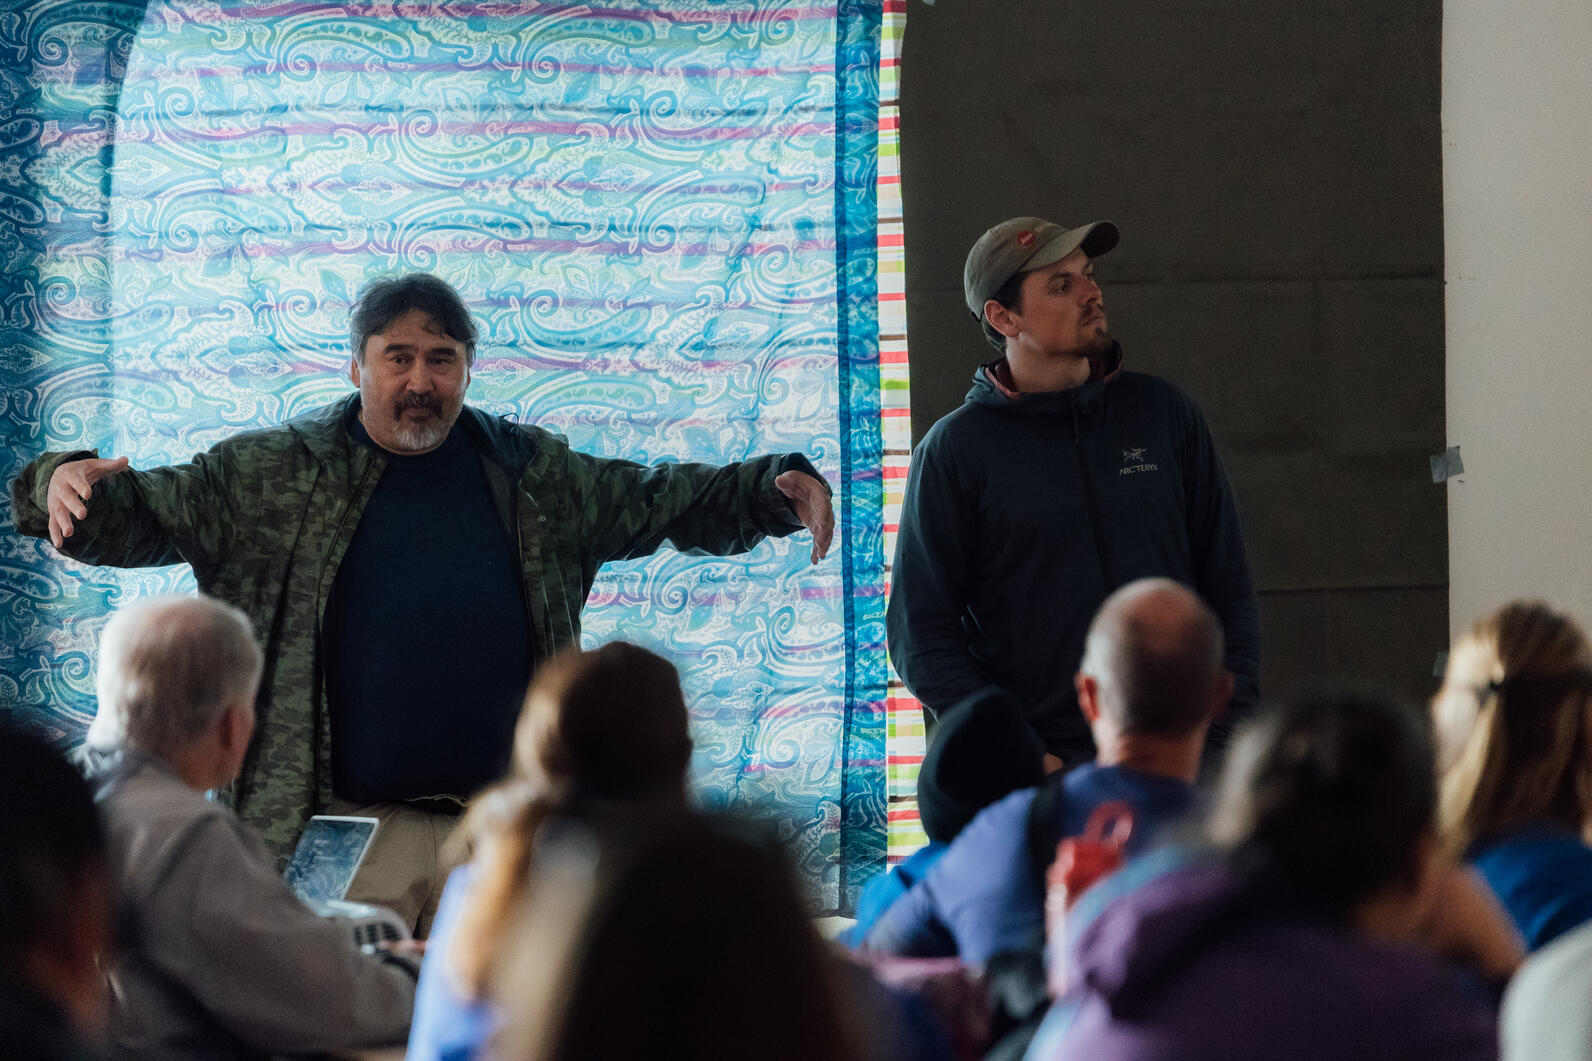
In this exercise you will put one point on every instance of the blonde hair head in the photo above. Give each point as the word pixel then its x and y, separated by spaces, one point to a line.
pixel 1514 727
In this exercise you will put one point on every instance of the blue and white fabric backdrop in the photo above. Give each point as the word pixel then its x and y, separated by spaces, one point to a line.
pixel 662 214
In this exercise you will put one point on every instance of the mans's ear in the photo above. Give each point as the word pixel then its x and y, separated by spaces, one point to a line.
pixel 236 728
pixel 1223 694
pixel 1001 318
pixel 1088 696
pixel 353 371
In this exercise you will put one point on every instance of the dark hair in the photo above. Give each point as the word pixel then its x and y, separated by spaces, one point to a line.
pixel 1010 295
pixel 1325 801
pixel 383 301
pixel 50 840
pixel 982 749
pixel 676 934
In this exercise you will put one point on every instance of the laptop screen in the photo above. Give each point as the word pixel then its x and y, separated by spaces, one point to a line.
pixel 328 855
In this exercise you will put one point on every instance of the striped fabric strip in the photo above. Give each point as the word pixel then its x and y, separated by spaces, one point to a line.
pixel 905 742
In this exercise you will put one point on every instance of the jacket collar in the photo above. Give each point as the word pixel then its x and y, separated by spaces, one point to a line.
pixel 992 386
pixel 323 434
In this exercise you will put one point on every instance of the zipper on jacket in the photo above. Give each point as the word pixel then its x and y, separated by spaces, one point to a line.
pixel 322 599
pixel 337 534
pixel 525 590
pixel 1091 500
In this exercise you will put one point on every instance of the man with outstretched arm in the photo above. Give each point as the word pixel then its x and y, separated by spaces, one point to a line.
pixel 406 560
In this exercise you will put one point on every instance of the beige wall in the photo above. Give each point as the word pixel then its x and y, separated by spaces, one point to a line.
pixel 1517 190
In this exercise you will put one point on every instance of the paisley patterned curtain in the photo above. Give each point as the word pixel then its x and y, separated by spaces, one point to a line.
pixel 662 213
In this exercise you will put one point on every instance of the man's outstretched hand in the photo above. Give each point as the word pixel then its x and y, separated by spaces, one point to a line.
pixel 808 498
pixel 71 485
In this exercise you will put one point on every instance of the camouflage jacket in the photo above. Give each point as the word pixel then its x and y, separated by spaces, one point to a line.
pixel 265 517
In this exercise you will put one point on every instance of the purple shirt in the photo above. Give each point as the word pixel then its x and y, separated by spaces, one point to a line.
pixel 1176 960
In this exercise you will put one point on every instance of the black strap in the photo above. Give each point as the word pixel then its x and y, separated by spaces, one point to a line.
pixel 1039 831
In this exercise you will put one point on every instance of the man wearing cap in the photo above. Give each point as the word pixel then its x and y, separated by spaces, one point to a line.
pixel 1061 478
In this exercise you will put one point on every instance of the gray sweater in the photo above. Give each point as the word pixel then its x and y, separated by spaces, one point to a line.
pixel 225 961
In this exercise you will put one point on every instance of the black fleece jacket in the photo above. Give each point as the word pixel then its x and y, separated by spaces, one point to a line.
pixel 1023 512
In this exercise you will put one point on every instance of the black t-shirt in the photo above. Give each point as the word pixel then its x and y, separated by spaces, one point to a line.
pixel 428 643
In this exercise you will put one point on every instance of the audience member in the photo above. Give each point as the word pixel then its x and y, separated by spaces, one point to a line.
pixel 1150 683
pixel 224 961
pixel 599 730
pixel 1545 1013
pixel 1514 729
pixel 1297 933
pixel 55 905
pixel 646 935
pixel 982 749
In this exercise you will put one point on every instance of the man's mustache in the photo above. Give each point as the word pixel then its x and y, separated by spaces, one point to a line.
pixel 427 402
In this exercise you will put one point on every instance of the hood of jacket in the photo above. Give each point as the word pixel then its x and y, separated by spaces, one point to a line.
pixel 993 388
pixel 1127 941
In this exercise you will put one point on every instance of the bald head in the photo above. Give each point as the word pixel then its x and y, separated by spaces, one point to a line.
pixel 1155 652
pixel 168 668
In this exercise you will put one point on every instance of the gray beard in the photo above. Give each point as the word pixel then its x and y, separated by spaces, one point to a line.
pixel 417 438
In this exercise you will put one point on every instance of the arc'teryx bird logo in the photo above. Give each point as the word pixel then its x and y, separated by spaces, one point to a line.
pixel 1133 462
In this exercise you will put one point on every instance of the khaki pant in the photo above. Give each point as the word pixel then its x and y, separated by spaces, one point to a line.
pixel 403 869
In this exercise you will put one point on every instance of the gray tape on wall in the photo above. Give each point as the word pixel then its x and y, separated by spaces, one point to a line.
pixel 1446 465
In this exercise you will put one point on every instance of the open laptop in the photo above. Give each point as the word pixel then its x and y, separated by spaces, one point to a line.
pixel 329 853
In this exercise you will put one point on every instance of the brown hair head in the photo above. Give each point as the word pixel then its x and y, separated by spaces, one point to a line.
pixel 605 727
pixel 666 935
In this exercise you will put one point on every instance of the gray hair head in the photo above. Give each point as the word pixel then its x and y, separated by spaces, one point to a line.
pixel 168 667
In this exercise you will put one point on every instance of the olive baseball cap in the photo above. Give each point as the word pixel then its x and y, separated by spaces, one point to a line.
pixel 1022 244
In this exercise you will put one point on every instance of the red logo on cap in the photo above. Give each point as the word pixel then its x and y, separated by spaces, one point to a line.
pixel 1025 238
